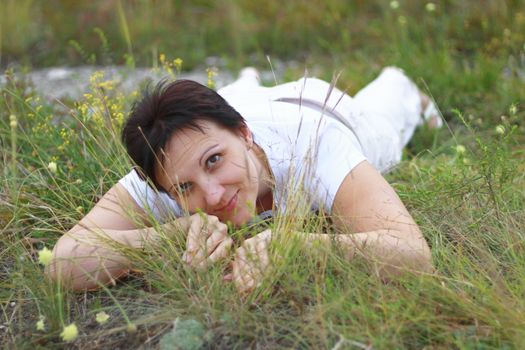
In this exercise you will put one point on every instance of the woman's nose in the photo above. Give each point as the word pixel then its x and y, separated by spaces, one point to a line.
pixel 213 192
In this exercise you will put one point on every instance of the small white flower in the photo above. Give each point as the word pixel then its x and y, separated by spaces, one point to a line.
pixel 40 326
pixel 53 168
pixel 430 7
pixel 131 328
pixel 500 129
pixel 69 333
pixel 45 256
pixel 460 149
pixel 513 109
pixel 102 317
pixel 12 121
pixel 394 5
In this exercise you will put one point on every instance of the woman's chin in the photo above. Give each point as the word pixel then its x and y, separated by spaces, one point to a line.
pixel 239 218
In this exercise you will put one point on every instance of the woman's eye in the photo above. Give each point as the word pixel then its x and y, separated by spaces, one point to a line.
pixel 183 188
pixel 214 159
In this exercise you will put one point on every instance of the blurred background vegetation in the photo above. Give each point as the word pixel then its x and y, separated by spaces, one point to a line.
pixel 70 32
pixel 453 45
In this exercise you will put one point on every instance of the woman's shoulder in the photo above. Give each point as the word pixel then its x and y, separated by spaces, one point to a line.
pixel 153 202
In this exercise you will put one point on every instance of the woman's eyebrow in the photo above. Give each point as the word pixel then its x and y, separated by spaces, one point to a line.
pixel 206 151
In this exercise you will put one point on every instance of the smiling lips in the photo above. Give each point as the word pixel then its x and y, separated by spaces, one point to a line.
pixel 231 204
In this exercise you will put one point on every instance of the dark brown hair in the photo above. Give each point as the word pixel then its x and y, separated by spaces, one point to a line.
pixel 169 107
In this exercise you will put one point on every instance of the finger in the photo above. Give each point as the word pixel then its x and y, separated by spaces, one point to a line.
pixel 194 238
pixel 263 255
pixel 243 283
pixel 266 235
pixel 253 266
pixel 222 250
pixel 215 239
pixel 202 229
pixel 222 227
pixel 242 277
pixel 201 257
pixel 211 219
pixel 236 267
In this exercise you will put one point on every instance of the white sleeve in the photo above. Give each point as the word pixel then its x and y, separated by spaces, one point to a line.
pixel 338 152
pixel 158 204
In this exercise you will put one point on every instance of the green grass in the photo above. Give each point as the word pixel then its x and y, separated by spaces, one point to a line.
pixel 468 204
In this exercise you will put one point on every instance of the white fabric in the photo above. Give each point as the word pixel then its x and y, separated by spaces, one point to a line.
pixel 310 130
pixel 158 204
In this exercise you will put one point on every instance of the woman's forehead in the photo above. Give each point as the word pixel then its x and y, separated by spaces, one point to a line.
pixel 188 144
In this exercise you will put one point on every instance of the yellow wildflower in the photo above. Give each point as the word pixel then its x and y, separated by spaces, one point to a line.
pixel 69 333
pixel 212 73
pixel 178 63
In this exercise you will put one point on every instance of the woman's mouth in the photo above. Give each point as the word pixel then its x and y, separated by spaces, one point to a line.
pixel 231 205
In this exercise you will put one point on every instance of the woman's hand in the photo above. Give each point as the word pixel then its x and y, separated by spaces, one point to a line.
pixel 207 241
pixel 251 262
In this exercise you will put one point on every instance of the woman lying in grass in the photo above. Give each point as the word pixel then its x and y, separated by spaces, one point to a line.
pixel 242 153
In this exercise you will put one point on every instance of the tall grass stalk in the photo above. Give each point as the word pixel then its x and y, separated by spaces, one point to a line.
pixel 13 123
pixel 123 23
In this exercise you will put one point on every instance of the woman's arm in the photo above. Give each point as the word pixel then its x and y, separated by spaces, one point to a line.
pixel 373 221
pixel 90 253
pixel 86 255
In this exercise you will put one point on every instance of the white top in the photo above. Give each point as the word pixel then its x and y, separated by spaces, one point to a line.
pixel 312 134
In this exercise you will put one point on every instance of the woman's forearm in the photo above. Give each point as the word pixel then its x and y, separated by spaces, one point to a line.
pixel 395 250
pixel 84 258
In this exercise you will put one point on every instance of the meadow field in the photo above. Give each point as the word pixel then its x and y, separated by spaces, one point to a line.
pixel 464 184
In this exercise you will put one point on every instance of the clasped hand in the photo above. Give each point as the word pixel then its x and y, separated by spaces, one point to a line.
pixel 208 242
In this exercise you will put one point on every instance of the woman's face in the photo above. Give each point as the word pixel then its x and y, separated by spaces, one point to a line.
pixel 215 171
